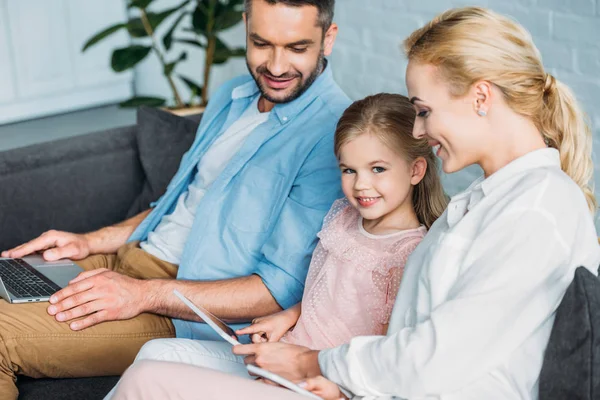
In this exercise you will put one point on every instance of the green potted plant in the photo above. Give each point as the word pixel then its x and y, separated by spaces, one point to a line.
pixel 207 19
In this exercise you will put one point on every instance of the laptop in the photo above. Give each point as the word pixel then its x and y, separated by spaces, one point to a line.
pixel 33 279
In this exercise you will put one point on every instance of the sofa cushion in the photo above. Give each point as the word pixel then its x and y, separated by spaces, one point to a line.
pixel 162 139
pixel 571 368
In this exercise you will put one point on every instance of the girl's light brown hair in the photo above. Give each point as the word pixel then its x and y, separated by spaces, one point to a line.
pixel 390 118
pixel 472 44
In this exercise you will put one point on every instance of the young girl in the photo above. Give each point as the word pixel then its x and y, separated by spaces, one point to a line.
pixel 479 295
pixel 392 194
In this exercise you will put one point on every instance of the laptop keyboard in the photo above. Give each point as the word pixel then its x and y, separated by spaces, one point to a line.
pixel 23 281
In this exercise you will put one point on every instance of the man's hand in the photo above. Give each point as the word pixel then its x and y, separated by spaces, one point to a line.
pixel 293 362
pixel 323 388
pixel 270 328
pixel 98 295
pixel 59 245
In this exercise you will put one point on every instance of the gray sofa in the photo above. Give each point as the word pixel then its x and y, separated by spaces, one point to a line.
pixel 84 183
pixel 81 184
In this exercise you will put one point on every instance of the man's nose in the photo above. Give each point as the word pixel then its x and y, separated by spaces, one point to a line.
pixel 278 63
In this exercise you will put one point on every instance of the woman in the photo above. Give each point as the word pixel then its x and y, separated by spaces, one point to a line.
pixel 479 294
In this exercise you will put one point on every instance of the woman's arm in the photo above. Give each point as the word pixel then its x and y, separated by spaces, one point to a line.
pixel 515 278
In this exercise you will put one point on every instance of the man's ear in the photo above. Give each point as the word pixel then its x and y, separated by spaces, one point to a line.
pixel 329 39
pixel 419 167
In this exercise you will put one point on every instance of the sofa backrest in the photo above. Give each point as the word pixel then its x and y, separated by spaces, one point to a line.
pixel 76 184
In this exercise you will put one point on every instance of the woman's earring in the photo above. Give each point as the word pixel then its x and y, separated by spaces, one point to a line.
pixel 481 113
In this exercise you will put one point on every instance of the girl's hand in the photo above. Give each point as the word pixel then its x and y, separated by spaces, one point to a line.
pixel 272 327
pixel 323 388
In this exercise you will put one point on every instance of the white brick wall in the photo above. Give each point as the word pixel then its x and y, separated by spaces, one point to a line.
pixel 367 57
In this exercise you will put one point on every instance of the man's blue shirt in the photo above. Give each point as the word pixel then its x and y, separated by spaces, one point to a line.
pixel 262 213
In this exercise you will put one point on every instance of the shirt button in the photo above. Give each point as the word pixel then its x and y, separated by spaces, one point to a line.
pixel 284 119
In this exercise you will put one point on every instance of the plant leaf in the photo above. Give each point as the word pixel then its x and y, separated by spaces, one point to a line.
pixel 128 57
pixel 168 39
pixel 101 35
pixel 143 101
pixel 190 41
pixel 141 4
pixel 228 14
pixel 193 86
pixel 136 27
pixel 223 52
pixel 171 66
pixel 200 19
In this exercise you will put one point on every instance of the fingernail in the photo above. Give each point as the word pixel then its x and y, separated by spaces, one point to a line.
pixel 52 300
pixel 74 325
pixel 302 384
pixel 52 310
pixel 60 317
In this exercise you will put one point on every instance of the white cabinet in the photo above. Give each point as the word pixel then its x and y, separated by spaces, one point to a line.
pixel 42 69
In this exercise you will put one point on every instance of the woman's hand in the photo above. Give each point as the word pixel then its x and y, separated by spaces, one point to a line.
pixel 292 362
pixel 272 327
pixel 323 388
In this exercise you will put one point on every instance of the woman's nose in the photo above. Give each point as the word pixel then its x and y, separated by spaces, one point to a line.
pixel 418 129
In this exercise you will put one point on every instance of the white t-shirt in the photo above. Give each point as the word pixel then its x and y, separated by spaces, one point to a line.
pixel 168 239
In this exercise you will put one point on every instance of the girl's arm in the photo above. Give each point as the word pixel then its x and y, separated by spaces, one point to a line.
pixel 272 327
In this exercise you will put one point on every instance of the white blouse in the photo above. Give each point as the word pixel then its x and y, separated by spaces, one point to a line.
pixel 479 294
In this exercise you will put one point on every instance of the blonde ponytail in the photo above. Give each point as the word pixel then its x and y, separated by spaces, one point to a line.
pixel 565 128
pixel 471 44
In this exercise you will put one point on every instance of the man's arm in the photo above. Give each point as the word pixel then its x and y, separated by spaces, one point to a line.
pixel 233 300
pixel 58 244
pixel 102 295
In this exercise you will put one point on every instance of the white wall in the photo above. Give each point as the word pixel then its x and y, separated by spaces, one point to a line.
pixel 368 57
pixel 42 69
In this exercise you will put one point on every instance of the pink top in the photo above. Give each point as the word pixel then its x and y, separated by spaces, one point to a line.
pixel 352 281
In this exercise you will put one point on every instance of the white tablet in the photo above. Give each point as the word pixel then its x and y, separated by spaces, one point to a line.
pixel 218 326
pixel 253 369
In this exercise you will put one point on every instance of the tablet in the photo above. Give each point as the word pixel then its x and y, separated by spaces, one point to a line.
pixel 253 369
pixel 215 323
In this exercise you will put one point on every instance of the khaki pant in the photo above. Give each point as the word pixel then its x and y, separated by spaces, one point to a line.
pixel 33 343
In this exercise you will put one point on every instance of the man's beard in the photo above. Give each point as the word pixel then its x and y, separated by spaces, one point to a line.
pixel 298 90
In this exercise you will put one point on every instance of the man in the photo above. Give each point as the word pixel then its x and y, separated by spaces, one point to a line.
pixel 236 227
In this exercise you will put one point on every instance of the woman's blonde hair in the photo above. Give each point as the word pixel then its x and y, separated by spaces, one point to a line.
pixel 472 44
pixel 390 118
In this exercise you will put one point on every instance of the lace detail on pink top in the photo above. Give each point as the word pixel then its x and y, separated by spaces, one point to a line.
pixel 352 281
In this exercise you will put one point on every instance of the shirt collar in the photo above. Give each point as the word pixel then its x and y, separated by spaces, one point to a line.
pixel 285 112
pixel 548 157
pixel 463 202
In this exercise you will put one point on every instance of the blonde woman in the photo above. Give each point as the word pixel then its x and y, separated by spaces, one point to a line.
pixel 479 294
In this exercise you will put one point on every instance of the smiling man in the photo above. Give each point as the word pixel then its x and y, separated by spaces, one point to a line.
pixel 234 231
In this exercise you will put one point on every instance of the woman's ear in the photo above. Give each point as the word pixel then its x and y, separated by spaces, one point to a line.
pixel 419 167
pixel 482 95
